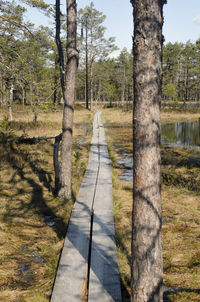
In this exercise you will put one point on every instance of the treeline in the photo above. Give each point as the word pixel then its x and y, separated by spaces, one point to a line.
pixel 27 70
pixel 181 71
pixel 112 83
pixel 29 64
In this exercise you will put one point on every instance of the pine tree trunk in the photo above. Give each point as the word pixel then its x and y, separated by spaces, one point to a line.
pixel 11 103
pixel 56 80
pixel 147 271
pixel 86 69
pixel 31 95
pixel 69 95
pixel 91 88
pixel 23 96
pixel 123 88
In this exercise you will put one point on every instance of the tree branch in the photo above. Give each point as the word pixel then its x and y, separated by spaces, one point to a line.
pixel 21 26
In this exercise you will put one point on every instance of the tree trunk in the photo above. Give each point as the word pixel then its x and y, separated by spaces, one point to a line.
pixel 11 103
pixel 31 95
pixel 56 80
pixel 86 68
pixel 91 70
pixel 3 90
pixel 147 270
pixel 56 163
pixel 69 95
pixel 23 96
pixel 123 88
pixel 91 88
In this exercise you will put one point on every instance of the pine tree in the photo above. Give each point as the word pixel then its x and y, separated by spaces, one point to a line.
pixel 147 272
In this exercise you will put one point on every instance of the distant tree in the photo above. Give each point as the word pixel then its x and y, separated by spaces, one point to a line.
pixel 25 52
pixel 169 91
pixel 147 270
pixel 197 71
pixel 93 45
pixel 181 71
pixel 171 69
pixel 187 67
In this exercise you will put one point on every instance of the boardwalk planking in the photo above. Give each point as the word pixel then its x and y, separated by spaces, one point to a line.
pixel 94 200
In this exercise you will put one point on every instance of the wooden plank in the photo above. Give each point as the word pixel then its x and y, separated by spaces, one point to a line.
pixel 70 283
pixel 104 283
pixel 95 195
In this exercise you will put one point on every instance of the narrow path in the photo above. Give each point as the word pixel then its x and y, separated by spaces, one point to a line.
pixel 88 262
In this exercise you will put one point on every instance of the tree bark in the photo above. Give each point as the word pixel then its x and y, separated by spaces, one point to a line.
pixel 31 95
pixel 58 138
pixel 11 103
pixel 56 80
pixel 147 268
pixel 23 96
pixel 123 88
pixel 86 67
pixel 59 47
pixel 69 95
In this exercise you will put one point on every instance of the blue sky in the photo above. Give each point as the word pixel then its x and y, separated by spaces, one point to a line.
pixel 182 19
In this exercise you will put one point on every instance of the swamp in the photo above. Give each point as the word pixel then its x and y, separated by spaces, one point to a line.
pixel 180 203
pixel 33 222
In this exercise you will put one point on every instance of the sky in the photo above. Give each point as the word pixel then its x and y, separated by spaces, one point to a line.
pixel 181 19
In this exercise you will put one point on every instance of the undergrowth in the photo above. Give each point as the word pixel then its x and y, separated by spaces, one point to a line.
pixel 33 222
pixel 181 209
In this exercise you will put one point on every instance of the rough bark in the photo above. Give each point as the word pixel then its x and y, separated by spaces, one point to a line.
pixel 69 95
pixel 147 269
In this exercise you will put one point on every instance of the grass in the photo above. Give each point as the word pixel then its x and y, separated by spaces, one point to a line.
pixel 33 222
pixel 180 202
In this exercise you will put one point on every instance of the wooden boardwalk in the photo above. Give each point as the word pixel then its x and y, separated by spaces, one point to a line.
pixel 88 261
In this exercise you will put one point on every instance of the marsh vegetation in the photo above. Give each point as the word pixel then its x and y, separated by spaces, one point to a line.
pixel 33 222
pixel 180 202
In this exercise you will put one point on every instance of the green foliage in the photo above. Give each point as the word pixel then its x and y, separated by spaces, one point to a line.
pixel 77 157
pixel 181 71
pixel 112 79
pixel 28 55
pixel 169 91
pixel 5 124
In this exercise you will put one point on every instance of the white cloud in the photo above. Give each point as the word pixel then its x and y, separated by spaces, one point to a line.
pixel 196 19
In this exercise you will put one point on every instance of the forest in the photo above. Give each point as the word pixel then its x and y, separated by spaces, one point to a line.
pixel 34 216
pixel 30 64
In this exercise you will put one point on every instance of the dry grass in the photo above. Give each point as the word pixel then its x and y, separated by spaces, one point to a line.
pixel 172 116
pixel 32 222
pixel 181 209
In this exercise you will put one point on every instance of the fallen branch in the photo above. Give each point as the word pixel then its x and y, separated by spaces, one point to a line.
pixel 26 140
pixel 35 140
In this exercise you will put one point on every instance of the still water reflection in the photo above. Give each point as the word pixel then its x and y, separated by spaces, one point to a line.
pixel 181 133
